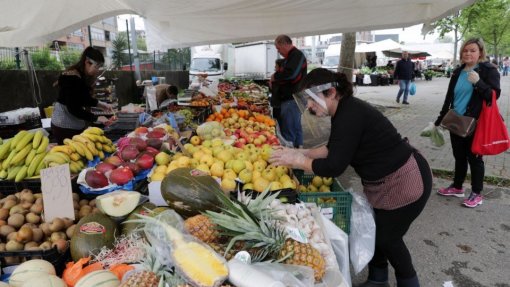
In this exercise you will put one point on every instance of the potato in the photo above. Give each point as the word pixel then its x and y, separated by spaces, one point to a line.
pixel 25 234
pixel 45 227
pixel 67 222
pixel 13 245
pixel 37 234
pixel 12 236
pixel 27 196
pixel 4 213
pixel 45 245
pixel 84 202
pixel 32 218
pixel 57 224
pixel 9 203
pixel 37 208
pixel 26 205
pixel 38 196
pixel 16 220
pixel 70 231
pixel 18 209
pixel 57 235
pixel 92 203
pixel 6 230
pixel 30 245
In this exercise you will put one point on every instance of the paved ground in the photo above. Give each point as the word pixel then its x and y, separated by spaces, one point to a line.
pixel 449 243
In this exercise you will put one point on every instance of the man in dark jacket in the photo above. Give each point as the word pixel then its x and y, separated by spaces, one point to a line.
pixel 288 79
pixel 404 73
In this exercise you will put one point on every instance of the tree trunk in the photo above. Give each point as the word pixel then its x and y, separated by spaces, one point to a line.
pixel 347 54
pixel 455 46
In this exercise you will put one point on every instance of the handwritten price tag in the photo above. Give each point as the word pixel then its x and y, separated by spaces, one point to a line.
pixel 57 192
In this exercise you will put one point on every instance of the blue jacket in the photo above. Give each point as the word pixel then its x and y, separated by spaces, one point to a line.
pixel 404 70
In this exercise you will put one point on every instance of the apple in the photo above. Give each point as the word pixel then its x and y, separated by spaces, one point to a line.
pixel 327 181
pixel 141 130
pixel 121 175
pixel 195 140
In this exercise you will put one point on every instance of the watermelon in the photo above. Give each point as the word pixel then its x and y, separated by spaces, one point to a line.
pixel 92 233
pixel 190 192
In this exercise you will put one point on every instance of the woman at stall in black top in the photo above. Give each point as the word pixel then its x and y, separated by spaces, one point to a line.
pixel 396 178
pixel 70 113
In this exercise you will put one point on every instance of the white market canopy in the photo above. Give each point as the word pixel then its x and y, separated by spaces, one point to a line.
pixel 383 45
pixel 183 23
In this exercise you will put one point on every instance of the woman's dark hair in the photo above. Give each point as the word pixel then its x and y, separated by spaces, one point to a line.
pixel 172 91
pixel 321 76
pixel 91 53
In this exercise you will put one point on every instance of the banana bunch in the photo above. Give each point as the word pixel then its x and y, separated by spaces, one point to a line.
pixel 80 149
pixel 22 156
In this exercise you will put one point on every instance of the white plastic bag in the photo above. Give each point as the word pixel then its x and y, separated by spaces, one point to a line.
pixel 150 93
pixel 340 243
pixel 367 80
pixel 427 130
pixel 362 237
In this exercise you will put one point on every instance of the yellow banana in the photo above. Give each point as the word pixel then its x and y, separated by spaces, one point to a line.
pixel 101 155
pixel 3 174
pixel 54 164
pixel 80 138
pixel 43 145
pixel 20 156
pixel 75 156
pixel 94 130
pixel 35 163
pixel 62 148
pixel 30 157
pixel 6 163
pixel 99 146
pixel 37 139
pixel 34 177
pixel 13 172
pixel 41 165
pixel 24 141
pixel 18 137
pixel 91 137
pixel 77 146
pixel 57 157
pixel 92 148
pixel 5 148
pixel 74 167
pixel 107 141
pixel 22 173
pixel 86 152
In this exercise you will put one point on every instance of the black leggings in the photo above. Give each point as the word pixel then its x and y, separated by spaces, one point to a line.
pixel 392 225
pixel 462 153
pixel 59 134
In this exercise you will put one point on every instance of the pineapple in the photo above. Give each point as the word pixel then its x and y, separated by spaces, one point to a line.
pixel 153 271
pixel 257 228
pixel 202 228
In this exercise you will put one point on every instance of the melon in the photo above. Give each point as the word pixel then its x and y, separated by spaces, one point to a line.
pixel 45 281
pixel 144 209
pixel 34 268
pixel 100 278
pixel 189 192
pixel 118 203
pixel 92 233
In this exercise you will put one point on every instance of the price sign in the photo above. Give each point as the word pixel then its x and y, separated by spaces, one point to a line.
pixel 57 192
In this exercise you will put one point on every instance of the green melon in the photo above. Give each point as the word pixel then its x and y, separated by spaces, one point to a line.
pixel 189 192
pixel 92 233
pixel 144 209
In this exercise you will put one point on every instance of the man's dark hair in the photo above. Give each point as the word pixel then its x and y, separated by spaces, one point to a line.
pixel 283 39
pixel 172 90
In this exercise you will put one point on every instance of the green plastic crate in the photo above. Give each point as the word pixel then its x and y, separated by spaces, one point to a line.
pixel 335 205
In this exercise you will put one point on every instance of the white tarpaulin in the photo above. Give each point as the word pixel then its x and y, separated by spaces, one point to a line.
pixel 183 23
pixel 383 45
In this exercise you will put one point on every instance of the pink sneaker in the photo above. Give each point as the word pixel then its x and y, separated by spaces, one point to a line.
pixel 473 200
pixel 451 191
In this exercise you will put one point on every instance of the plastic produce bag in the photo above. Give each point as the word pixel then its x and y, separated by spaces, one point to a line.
pixel 367 80
pixel 437 137
pixel 362 237
pixel 412 89
pixel 427 130
pixel 340 243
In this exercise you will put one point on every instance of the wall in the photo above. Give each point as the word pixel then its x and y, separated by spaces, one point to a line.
pixel 15 89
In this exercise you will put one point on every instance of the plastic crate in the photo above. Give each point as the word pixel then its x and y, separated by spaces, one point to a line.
pixel 59 260
pixel 335 205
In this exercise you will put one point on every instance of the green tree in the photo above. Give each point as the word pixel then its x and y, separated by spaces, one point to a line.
pixel 140 43
pixel 43 60
pixel 492 23
pixel 457 23
pixel 69 57
pixel 7 65
pixel 119 45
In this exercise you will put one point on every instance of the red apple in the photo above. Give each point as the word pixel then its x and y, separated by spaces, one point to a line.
pixel 139 143
pixel 145 161
pixel 152 151
pixel 95 179
pixel 121 175
pixel 133 167
pixel 114 159
pixel 129 152
pixel 141 130
pixel 104 167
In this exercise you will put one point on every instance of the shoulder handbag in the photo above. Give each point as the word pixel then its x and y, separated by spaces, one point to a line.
pixel 491 135
pixel 462 126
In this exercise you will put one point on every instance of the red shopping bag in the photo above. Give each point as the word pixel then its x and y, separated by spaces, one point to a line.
pixel 491 135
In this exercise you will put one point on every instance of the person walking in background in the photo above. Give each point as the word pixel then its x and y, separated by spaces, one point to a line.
pixel 288 80
pixel 470 84
pixel 71 113
pixel 404 73
pixel 506 66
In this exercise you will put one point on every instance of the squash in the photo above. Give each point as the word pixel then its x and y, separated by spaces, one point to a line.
pixel 45 281
pixel 103 278
pixel 189 192
pixel 118 203
pixel 30 269
pixel 91 233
